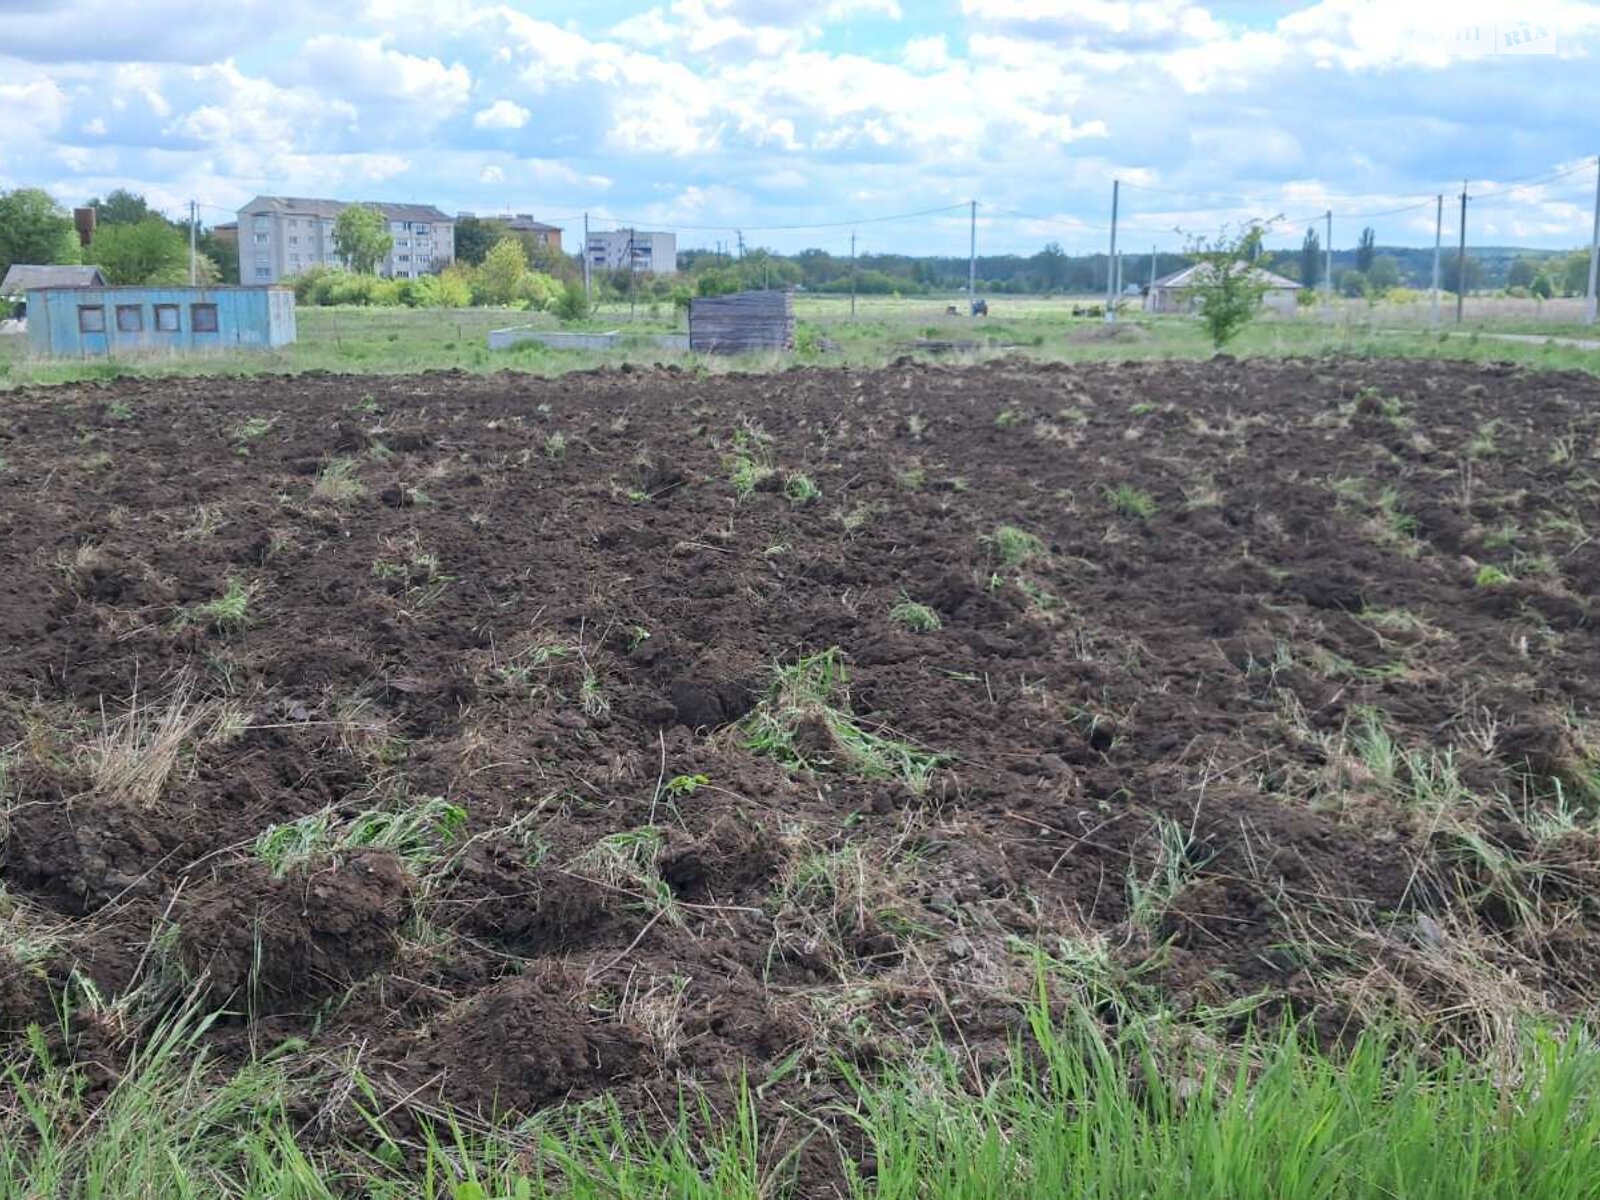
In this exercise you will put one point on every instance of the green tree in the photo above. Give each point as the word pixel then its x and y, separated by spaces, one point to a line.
pixel 35 229
pixel 1366 248
pixel 1227 286
pixel 122 207
pixel 1050 264
pixel 474 238
pixel 362 238
pixel 1520 273
pixel 1575 274
pixel 1384 274
pixel 500 276
pixel 1541 286
pixel 226 256
pixel 1350 283
pixel 1311 259
pixel 149 250
pixel 1472 272
pixel 573 302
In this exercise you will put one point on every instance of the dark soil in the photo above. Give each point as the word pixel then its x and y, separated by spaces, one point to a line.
pixel 549 635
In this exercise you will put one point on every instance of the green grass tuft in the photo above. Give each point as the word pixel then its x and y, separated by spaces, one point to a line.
pixel 1132 502
pixel 417 833
pixel 804 722
pixel 918 618
pixel 800 489
pixel 1016 547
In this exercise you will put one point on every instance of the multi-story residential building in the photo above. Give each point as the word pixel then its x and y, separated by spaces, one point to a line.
pixel 632 249
pixel 281 236
pixel 541 234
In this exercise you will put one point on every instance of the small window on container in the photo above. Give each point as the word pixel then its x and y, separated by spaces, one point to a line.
pixel 130 318
pixel 203 318
pixel 91 318
pixel 166 318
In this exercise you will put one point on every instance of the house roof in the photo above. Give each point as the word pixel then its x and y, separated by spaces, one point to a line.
pixel 21 277
pixel 302 206
pixel 1193 275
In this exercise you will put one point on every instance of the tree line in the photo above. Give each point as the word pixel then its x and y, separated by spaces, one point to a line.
pixel 135 244
pixel 132 243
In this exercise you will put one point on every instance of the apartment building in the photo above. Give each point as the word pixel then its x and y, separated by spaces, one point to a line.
pixel 282 236
pixel 637 249
pixel 540 233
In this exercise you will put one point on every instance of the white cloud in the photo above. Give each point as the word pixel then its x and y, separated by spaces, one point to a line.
pixel 927 53
pixel 1146 24
pixel 749 111
pixel 370 69
pixel 502 114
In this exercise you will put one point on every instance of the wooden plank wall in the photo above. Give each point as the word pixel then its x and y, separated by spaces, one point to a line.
pixel 742 322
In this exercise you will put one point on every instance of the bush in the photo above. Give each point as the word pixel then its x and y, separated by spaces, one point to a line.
pixel 538 291
pixel 449 289
pixel 573 303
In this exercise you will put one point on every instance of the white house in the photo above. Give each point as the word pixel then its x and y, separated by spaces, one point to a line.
pixel 1176 293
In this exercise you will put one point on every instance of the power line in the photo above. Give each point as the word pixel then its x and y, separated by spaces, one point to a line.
pixel 625 223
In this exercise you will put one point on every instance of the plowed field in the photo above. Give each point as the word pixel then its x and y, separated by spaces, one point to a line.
pixel 522 740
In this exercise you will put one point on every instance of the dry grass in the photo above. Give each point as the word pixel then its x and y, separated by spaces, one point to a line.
pixel 133 755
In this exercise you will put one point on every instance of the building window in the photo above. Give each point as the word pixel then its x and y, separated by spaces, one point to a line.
pixel 263 272
pixel 166 318
pixel 293 241
pixel 130 318
pixel 203 317
pixel 263 222
pixel 404 258
pixel 261 239
pixel 419 228
pixel 91 318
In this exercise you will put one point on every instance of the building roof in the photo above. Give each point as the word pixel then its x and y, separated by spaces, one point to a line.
pixel 164 287
pixel 523 223
pixel 1193 275
pixel 301 206
pixel 21 277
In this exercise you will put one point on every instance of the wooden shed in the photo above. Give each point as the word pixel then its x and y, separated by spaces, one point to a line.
pixel 742 322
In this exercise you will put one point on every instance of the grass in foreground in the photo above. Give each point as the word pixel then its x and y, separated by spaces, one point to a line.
pixel 805 723
pixel 1076 1112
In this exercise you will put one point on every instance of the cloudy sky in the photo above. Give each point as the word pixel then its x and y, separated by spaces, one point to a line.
pixel 797 121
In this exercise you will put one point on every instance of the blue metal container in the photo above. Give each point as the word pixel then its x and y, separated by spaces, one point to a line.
pixel 88 322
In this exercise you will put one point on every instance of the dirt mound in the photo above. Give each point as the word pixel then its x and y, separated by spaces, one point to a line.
pixel 265 941
pixel 523 1045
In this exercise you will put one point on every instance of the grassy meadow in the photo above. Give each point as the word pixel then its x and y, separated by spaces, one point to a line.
pixel 400 341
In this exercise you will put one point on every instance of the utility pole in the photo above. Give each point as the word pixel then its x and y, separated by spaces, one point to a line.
pixel 1152 271
pixel 588 289
pixel 194 263
pixel 1438 239
pixel 633 290
pixel 1594 251
pixel 972 263
pixel 1327 269
pixel 1111 259
pixel 1461 257
pixel 852 277
pixel 740 234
